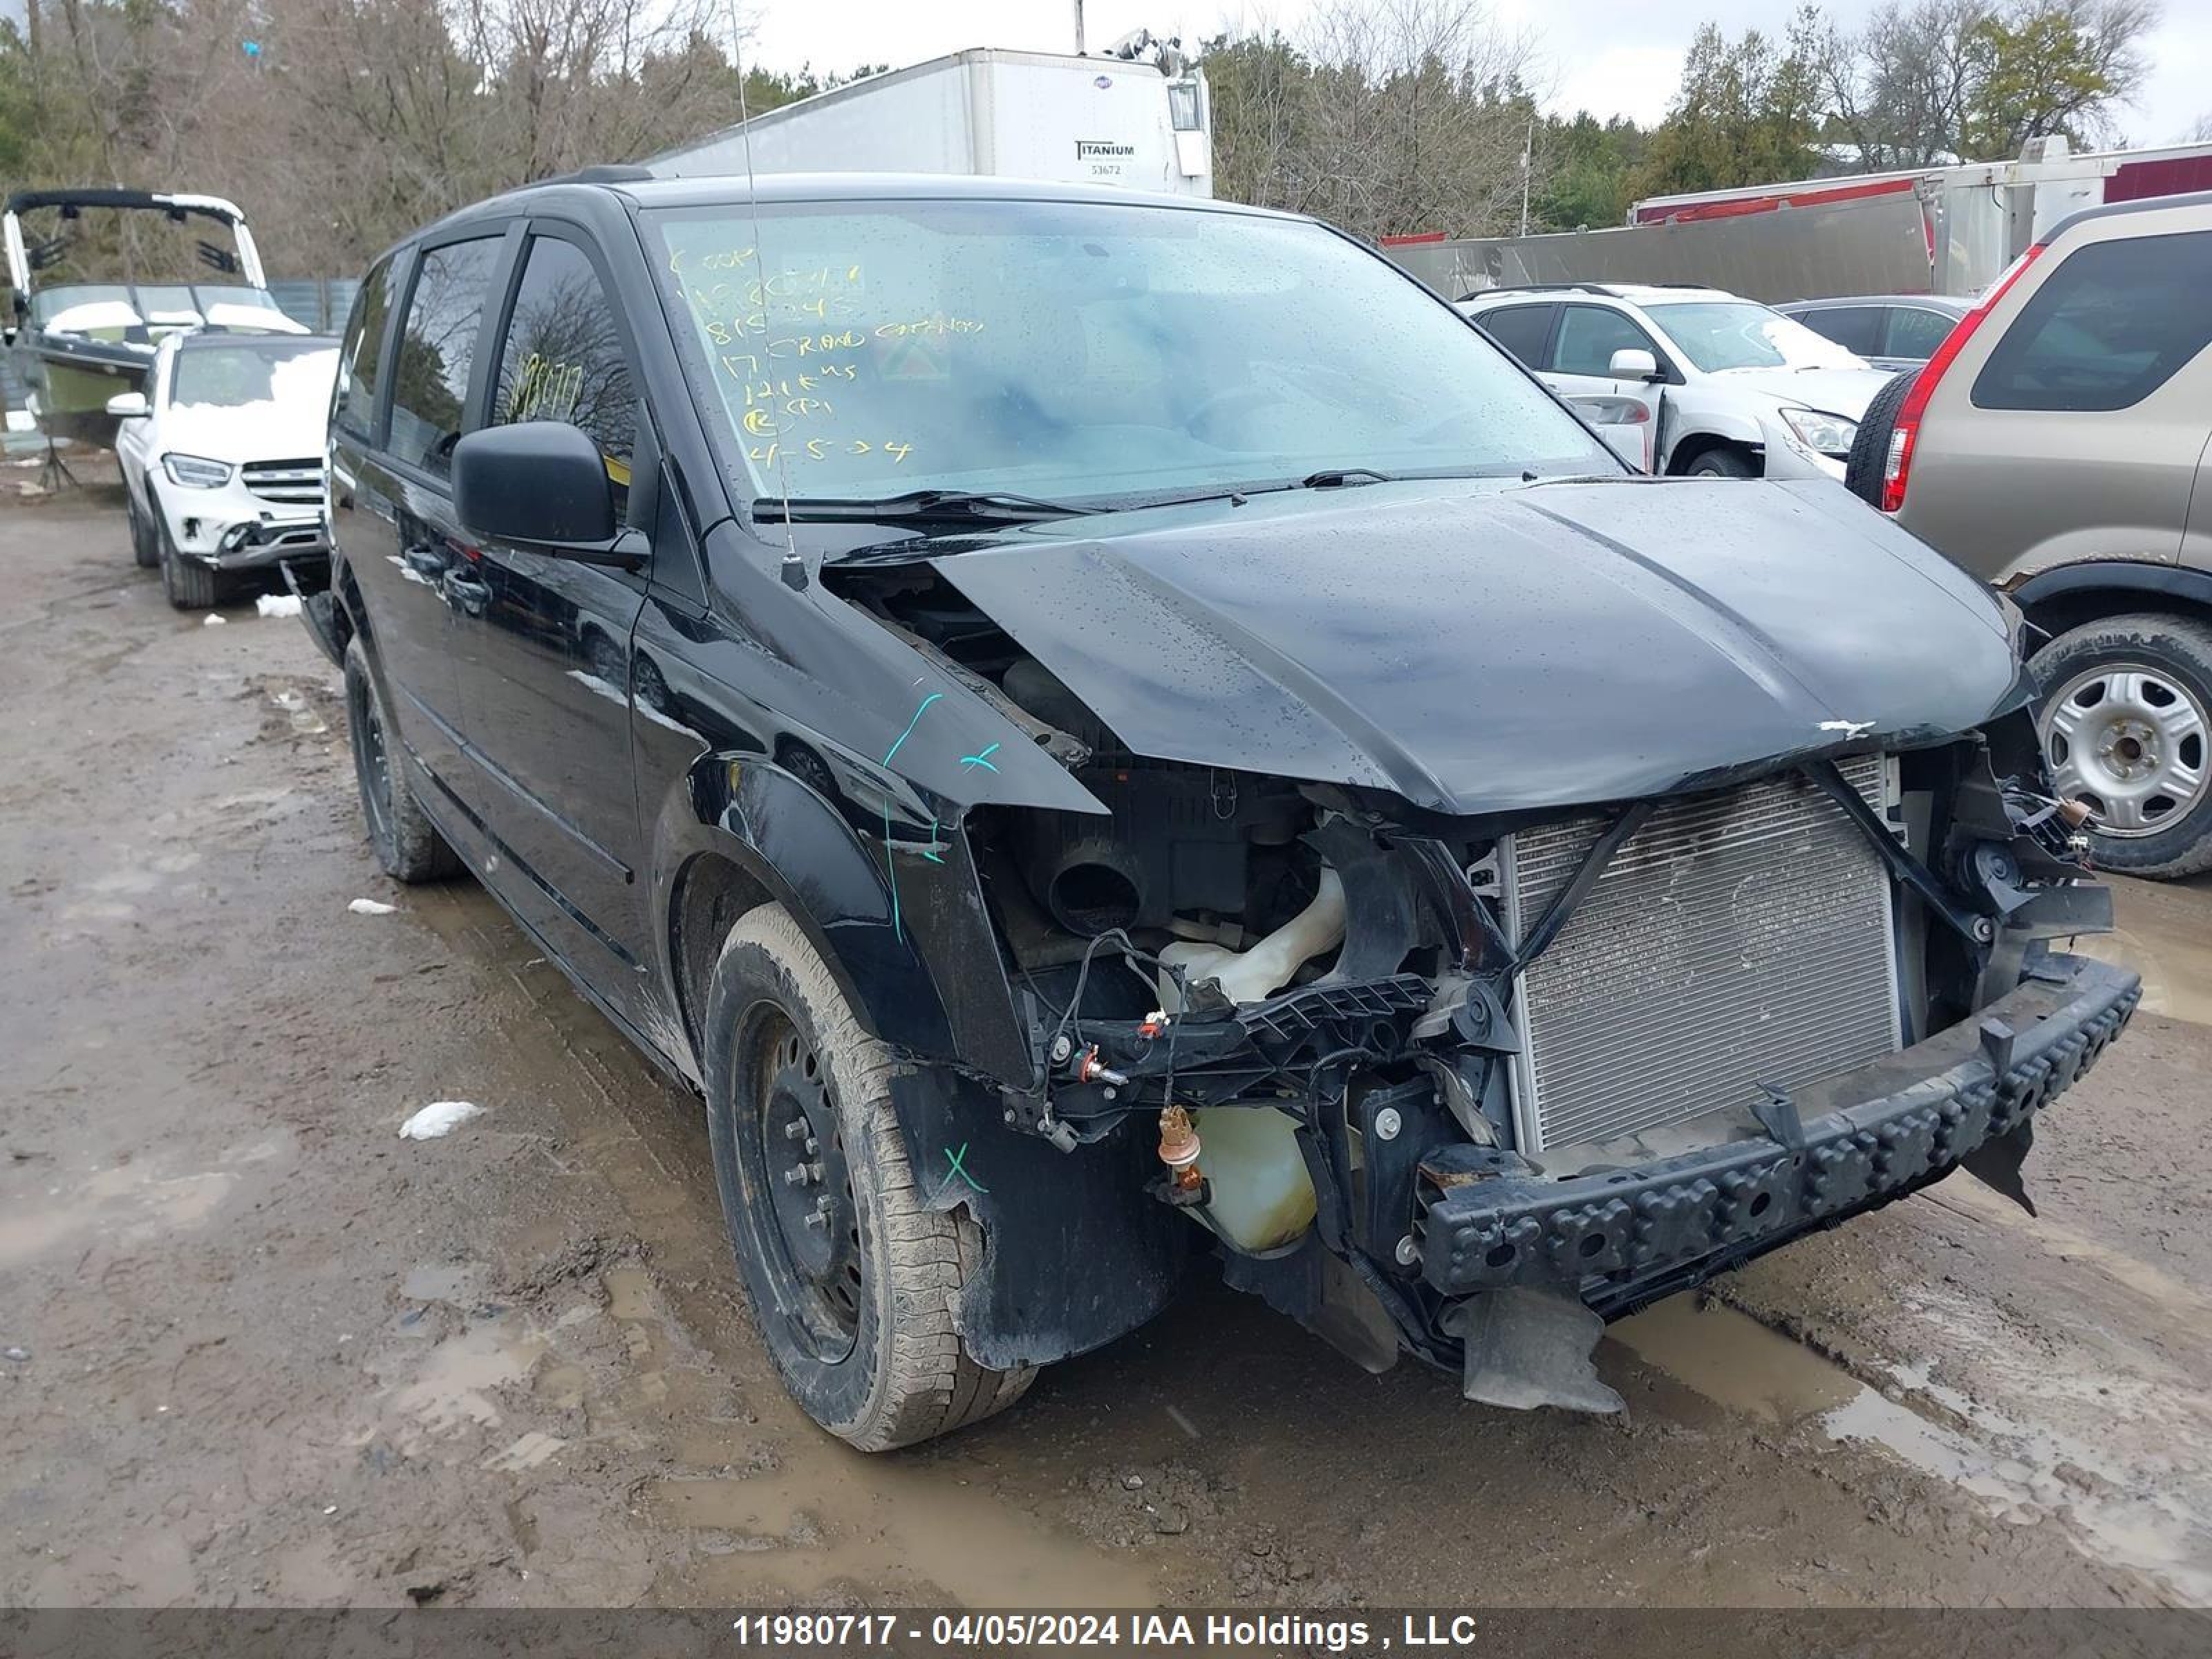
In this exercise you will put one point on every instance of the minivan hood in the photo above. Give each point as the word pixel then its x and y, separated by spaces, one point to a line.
pixel 1474 648
pixel 1844 392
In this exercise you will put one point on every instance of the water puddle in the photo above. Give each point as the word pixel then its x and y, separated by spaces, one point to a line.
pixel 799 1512
pixel 127 1201
pixel 459 1283
pixel 452 1387
pixel 299 714
pixel 2165 934
pixel 2123 1510
pixel 840 1515
pixel 1734 1361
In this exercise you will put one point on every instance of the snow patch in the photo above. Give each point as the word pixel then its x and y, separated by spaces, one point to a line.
pixel 372 907
pixel 1848 728
pixel 439 1117
pixel 277 605
pixel 213 621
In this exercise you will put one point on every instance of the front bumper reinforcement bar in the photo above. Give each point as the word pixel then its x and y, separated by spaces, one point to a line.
pixel 1616 1232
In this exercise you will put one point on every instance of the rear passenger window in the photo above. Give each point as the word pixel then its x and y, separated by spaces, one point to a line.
pixel 1915 332
pixel 562 359
pixel 1521 329
pixel 1855 328
pixel 353 405
pixel 430 381
pixel 2107 328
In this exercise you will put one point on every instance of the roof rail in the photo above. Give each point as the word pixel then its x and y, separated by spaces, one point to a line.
pixel 600 172
pixel 1541 288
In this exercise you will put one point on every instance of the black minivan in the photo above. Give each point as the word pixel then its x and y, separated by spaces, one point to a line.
pixel 1089 727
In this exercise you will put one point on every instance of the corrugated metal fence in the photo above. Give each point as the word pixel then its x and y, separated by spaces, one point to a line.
pixel 319 303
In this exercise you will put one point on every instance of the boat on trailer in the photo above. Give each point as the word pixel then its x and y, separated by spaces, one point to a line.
pixel 79 338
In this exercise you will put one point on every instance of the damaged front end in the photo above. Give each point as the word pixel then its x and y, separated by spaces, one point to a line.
pixel 1466 1083
pixel 1513 1098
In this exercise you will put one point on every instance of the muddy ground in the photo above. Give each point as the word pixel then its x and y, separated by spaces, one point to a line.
pixel 261 1350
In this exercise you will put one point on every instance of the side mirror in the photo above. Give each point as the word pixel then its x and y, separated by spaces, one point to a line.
pixel 129 406
pixel 541 485
pixel 1633 363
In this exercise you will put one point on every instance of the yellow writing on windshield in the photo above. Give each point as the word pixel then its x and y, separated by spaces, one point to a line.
pixel 939 325
pixel 820 449
pixel 805 345
pixel 545 390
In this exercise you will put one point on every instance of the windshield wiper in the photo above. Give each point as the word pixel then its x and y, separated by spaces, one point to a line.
pixel 956 505
pixel 1330 478
pixel 1337 476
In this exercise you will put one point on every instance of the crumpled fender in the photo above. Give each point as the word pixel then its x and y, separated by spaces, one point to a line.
pixel 884 910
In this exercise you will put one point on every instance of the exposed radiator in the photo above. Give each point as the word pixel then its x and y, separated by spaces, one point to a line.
pixel 1736 939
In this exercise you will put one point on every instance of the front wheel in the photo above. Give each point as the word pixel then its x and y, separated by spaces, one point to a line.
pixel 1722 462
pixel 145 552
pixel 190 585
pixel 852 1278
pixel 2126 721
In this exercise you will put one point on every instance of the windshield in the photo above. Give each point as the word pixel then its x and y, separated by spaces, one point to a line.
pixel 289 372
pixel 91 307
pixel 1083 352
pixel 1719 335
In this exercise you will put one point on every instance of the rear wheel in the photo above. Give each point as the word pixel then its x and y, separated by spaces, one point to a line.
pixel 2126 721
pixel 852 1278
pixel 407 844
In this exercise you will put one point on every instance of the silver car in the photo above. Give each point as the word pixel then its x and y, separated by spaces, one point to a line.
pixel 2056 445
pixel 1890 330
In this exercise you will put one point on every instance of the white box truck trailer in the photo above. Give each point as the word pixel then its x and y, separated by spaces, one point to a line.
pixel 1009 115
pixel 1934 230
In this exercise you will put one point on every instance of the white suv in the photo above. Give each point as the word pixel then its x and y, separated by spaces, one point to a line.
pixel 221 457
pixel 1725 385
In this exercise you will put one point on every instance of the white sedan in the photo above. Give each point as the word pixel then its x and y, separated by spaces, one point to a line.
pixel 223 457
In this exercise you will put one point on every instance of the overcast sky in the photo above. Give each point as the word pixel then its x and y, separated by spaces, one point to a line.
pixel 1611 57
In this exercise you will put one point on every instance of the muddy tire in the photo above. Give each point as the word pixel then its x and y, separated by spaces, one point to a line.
pixel 406 843
pixel 852 1278
pixel 145 552
pixel 2126 722
pixel 1869 458
pixel 1722 462
pixel 190 585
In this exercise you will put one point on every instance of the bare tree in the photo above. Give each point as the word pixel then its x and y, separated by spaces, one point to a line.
pixel 1387 116
pixel 352 121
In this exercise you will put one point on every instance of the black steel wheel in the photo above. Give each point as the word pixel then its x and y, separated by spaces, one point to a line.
pixel 406 843
pixel 798 1150
pixel 854 1279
